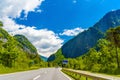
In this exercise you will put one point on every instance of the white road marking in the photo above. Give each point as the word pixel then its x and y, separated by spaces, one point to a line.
pixel 36 77
pixel 64 74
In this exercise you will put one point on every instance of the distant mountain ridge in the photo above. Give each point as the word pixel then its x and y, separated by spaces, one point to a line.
pixel 43 58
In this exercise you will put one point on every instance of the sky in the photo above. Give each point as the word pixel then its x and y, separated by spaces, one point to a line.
pixel 48 24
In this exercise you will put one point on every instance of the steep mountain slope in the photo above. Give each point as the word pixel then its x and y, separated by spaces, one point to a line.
pixel 13 57
pixel 9 51
pixel 87 39
pixel 26 44
pixel 81 43
pixel 110 20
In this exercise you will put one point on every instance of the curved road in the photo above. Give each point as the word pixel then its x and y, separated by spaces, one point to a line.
pixel 40 74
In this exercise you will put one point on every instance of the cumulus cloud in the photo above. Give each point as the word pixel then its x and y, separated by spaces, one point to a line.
pixel 46 41
pixel 72 32
pixel 13 8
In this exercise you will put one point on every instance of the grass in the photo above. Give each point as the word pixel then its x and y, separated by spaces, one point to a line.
pixel 75 76
pixel 5 70
pixel 106 74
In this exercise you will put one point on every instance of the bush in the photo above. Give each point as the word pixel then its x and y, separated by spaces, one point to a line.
pixel 96 68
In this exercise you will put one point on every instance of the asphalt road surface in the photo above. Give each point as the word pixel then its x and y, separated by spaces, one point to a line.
pixel 40 74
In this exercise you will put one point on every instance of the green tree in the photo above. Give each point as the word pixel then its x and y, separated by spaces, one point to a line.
pixel 113 35
pixel 1 24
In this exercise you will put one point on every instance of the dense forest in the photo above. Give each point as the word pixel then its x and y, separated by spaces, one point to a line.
pixel 104 57
pixel 13 57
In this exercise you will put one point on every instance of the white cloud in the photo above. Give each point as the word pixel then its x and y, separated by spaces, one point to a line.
pixel 74 1
pixel 113 10
pixel 13 8
pixel 46 41
pixel 72 32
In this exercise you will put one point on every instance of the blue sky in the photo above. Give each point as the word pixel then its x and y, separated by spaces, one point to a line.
pixel 48 24
pixel 58 15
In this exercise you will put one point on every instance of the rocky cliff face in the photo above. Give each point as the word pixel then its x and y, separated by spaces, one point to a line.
pixel 26 44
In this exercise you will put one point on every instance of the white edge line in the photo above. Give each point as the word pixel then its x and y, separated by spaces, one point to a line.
pixel 65 74
pixel 36 77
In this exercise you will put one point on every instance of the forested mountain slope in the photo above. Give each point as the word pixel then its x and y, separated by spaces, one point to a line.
pixel 17 53
pixel 26 44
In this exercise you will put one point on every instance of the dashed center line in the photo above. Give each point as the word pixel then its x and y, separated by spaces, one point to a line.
pixel 36 77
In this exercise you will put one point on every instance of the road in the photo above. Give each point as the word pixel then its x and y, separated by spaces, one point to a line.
pixel 40 74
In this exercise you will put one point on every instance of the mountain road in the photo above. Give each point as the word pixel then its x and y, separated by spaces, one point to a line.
pixel 40 74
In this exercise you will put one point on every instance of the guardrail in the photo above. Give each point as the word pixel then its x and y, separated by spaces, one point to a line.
pixel 93 76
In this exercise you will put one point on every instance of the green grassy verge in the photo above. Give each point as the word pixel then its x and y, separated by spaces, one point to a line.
pixel 75 76
pixel 5 70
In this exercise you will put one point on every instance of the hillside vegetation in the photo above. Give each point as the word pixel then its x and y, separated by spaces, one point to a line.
pixel 25 44
pixel 13 56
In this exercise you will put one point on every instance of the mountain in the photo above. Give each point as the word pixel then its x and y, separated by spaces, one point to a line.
pixel 87 39
pixel 26 44
pixel 9 50
pixel 14 52
pixel 57 58
pixel 43 58
pixel 110 20
pixel 81 43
